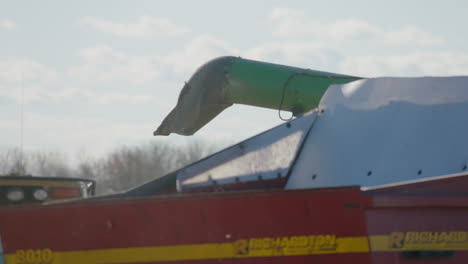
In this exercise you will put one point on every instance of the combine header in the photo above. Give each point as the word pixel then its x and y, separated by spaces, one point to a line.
pixel 369 171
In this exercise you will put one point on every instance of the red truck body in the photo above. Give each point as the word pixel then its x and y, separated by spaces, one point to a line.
pixel 421 222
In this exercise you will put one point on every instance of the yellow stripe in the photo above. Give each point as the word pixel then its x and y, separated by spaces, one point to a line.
pixel 147 254
pixel 184 252
pixel 352 245
pixel 249 248
pixel 414 241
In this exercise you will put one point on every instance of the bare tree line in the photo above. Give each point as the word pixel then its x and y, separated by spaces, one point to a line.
pixel 119 170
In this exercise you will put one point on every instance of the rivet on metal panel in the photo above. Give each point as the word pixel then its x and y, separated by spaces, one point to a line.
pixel 369 173
pixel 464 167
pixel 109 224
pixel 241 146
pixel 419 172
pixel 314 176
pixel 228 236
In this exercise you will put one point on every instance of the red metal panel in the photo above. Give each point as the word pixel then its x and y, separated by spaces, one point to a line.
pixel 419 219
pixel 196 219
pixel 188 219
pixel 421 201
pixel 387 221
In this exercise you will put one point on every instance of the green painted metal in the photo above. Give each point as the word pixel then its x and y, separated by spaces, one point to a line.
pixel 225 81
pixel 278 86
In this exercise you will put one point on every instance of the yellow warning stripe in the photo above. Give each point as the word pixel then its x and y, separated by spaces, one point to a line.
pixel 180 252
pixel 249 248
pixel 420 241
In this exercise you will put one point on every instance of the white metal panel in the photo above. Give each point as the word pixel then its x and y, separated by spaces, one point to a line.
pixel 268 155
pixel 386 130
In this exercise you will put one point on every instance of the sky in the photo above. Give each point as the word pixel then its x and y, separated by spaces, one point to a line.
pixel 92 76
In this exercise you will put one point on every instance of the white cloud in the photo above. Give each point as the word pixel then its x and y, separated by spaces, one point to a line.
pixel 291 22
pixel 104 97
pixel 103 63
pixel 19 94
pixel 7 24
pixel 226 126
pixel 96 135
pixel 15 69
pixel 411 34
pixel 34 93
pixel 421 63
pixel 206 47
pixel 299 54
pixel 145 26
pixel 295 23
pixel 198 51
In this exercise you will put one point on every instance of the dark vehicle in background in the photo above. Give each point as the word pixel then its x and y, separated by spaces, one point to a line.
pixel 16 190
